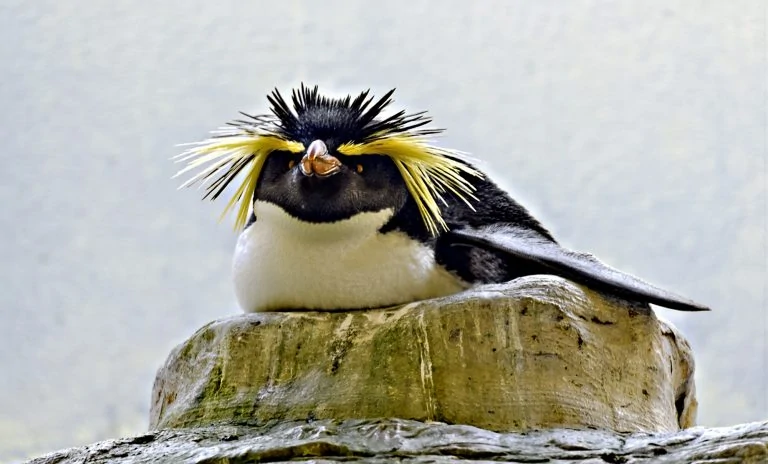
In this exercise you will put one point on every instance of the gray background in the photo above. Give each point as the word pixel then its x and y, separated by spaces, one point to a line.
pixel 635 130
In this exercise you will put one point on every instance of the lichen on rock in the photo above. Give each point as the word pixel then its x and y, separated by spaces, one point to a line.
pixel 537 352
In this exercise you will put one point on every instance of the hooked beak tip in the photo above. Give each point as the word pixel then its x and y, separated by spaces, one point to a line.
pixel 318 162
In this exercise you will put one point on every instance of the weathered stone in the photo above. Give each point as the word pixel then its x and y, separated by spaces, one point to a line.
pixel 538 352
pixel 382 441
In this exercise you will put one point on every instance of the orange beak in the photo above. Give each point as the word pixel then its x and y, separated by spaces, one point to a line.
pixel 318 162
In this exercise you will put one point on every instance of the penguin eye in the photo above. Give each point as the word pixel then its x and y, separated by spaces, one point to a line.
pixel 291 164
pixel 359 168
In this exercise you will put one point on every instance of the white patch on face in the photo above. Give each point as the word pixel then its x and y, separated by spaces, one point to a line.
pixel 282 263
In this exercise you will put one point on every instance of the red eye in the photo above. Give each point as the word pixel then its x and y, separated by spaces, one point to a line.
pixel 359 168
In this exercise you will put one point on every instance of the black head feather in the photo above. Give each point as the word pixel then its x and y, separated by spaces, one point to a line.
pixel 340 120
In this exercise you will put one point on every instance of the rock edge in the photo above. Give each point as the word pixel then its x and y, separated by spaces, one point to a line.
pixel 388 440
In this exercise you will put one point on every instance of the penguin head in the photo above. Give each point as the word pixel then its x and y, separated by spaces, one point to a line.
pixel 321 184
pixel 324 159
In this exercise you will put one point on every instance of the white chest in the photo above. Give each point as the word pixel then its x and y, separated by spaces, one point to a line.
pixel 282 263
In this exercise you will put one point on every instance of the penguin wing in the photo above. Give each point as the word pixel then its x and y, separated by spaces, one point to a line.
pixel 527 245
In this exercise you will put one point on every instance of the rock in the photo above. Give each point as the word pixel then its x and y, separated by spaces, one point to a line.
pixel 382 441
pixel 538 352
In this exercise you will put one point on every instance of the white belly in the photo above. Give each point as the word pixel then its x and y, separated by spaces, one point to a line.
pixel 282 263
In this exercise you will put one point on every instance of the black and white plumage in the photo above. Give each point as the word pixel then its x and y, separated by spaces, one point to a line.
pixel 349 209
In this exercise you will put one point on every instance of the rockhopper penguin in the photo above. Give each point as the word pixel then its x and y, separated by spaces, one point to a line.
pixel 346 207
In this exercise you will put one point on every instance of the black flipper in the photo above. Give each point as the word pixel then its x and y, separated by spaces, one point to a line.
pixel 583 268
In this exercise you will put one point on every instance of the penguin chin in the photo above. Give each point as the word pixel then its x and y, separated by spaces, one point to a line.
pixel 329 199
pixel 282 222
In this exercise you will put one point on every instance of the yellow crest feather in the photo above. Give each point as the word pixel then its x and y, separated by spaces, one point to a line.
pixel 229 153
pixel 427 171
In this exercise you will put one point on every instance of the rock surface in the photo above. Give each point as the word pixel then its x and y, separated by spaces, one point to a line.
pixel 381 441
pixel 538 352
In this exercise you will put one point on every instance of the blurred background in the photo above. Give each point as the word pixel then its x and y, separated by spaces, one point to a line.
pixel 634 130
